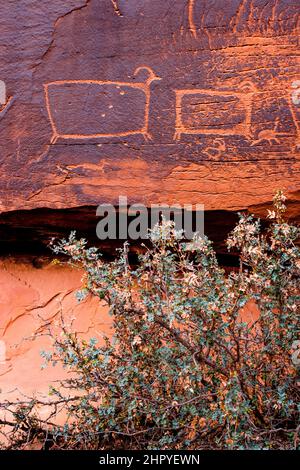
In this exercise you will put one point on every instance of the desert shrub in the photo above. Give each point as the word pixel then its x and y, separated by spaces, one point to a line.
pixel 184 369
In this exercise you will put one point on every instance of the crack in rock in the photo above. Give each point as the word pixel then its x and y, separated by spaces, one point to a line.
pixel 78 8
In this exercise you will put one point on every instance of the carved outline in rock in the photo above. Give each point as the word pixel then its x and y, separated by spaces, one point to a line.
pixel 244 95
pixel 191 20
pixel 216 150
pixel 144 86
pixel 192 26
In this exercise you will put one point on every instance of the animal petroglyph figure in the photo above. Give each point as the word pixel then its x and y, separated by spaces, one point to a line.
pixel 111 113
pixel 209 112
pixel 216 150
pixel 271 136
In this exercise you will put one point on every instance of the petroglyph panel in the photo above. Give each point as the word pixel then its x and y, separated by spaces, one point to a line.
pixel 99 104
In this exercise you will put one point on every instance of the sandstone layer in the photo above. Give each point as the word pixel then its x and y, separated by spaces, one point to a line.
pixel 33 302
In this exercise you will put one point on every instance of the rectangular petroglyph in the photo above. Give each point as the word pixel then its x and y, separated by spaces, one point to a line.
pixel 214 112
pixel 84 109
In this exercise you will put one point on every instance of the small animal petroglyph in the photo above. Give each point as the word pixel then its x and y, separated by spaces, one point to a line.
pixel 216 150
pixel 56 90
pixel 269 135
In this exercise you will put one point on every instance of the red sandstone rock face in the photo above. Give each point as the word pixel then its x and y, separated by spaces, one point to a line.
pixel 30 301
pixel 173 101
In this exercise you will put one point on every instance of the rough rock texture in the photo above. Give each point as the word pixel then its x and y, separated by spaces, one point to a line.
pixel 173 101
pixel 32 299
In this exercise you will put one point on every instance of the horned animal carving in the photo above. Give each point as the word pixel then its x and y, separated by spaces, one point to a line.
pixel 105 104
